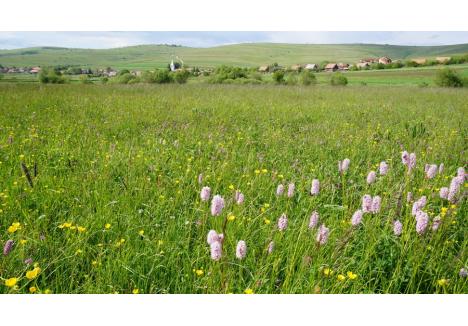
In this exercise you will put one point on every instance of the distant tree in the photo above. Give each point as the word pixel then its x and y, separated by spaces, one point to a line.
pixel 123 72
pixel 50 76
pixel 448 78
pixel 338 79
pixel 181 76
pixel 291 79
pixel 84 79
pixel 307 78
pixel 162 77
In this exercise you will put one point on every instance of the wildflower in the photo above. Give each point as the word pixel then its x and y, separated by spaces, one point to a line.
pixel 28 261
pixel 463 272
pixel 136 291
pixel 200 178
pixel 455 187
pixel 11 282
pixel 313 219
pixel 32 289
pixel 215 250
pixel 422 219
pixel 248 291
pixel 266 221
pixel 81 229
pixel 371 177
pixel 351 275
pixel 432 171
pixel 315 188
pixel 397 227
pixel 442 282
pixel 409 197
pixel 418 205
pixel 241 249
pixel 436 223
pixel 107 226
pixel 141 232
pixel 357 218
pixel 213 236
pixel 343 166
pixel 217 205
pixel 341 277
pixel 231 217
pixel 376 204
pixel 14 227
pixel 412 161
pixel 271 247
pixel 291 188
pixel 231 187
pixel 8 247
pixel 441 168
pixel 367 203
pixel 279 190
pixel 23 241
pixel 282 222
pixel 322 234
pixel 461 173
pixel 383 168
pixel 205 193
pixel 405 158
pixel 239 197
pixel 328 271
pixel 199 272
pixel 30 275
pixel 443 193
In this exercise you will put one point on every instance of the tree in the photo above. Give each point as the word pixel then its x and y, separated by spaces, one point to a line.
pixel 181 76
pixel 278 76
pixel 307 77
pixel 448 78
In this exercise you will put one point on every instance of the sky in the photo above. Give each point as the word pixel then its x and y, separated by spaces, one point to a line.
pixel 100 40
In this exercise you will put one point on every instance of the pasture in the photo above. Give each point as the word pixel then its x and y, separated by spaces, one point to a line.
pixel 100 188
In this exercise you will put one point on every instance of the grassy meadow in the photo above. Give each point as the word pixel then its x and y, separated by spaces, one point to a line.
pixel 100 188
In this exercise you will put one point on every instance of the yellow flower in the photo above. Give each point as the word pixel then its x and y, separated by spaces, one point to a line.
pixel 30 275
pixel 280 176
pixel 453 206
pixel 231 217
pixel 266 205
pixel 141 232
pixel 257 171
pixel 47 291
pixel 442 282
pixel 264 170
pixel 67 225
pixel 14 227
pixel 263 209
pixel 23 241
pixel 136 291
pixel 351 275
pixel 160 242
pixel 32 289
pixel 231 187
pixel 267 221
pixel 81 229
pixel 328 272
pixel 199 272
pixel 11 282
pixel 341 277
pixel 94 263
pixel 107 226
pixel 248 291
pixel 79 251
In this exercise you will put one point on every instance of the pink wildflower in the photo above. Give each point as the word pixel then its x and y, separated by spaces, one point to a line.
pixel 405 159
pixel 241 249
pixel 282 222
pixel 343 166
pixel 431 171
pixel 422 220
pixel 376 201
pixel 291 188
pixel 461 173
pixel 212 237
pixel 216 250
pixel 357 218
pixel 412 161
pixel 271 247
pixel 313 219
pixel 200 178
pixel 239 197
pixel 455 187
pixel 205 193
pixel 367 203
pixel 409 197
pixel 8 247
pixel 314 190
pixel 444 191
pixel 217 205
pixel 322 234
pixel 441 168
pixel 397 227
pixel 436 223
pixel 383 168
pixel 279 190
pixel 371 177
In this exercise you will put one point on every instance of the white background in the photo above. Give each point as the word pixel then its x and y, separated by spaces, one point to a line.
pixel 238 15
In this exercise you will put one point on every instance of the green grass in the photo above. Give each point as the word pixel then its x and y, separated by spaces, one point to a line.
pixel 130 156
pixel 145 57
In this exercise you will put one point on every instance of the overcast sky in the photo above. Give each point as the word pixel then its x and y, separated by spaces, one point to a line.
pixel 99 40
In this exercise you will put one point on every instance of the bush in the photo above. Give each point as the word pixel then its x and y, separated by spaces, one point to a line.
pixel 181 76
pixel 125 78
pixel 338 79
pixel 162 77
pixel 278 77
pixel 84 79
pixel 104 80
pixel 47 76
pixel 448 78
pixel 307 78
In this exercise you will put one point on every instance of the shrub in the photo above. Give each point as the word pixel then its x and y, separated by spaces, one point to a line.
pixel 125 78
pixel 338 79
pixel 162 77
pixel 448 78
pixel 47 76
pixel 307 77
pixel 181 76
pixel 104 80
pixel 123 72
pixel 278 77
pixel 84 79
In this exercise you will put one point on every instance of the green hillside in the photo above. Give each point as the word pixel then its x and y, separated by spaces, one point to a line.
pixel 254 54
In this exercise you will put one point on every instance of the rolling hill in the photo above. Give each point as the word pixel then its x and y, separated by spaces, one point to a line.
pixel 248 54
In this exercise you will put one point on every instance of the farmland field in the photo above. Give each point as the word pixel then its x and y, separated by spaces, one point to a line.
pixel 100 189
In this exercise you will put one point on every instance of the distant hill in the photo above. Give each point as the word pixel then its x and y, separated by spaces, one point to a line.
pixel 247 54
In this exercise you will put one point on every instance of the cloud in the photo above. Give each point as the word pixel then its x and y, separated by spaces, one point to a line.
pixel 99 40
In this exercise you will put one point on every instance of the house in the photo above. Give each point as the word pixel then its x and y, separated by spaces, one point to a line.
pixel 343 66
pixel 385 60
pixel 35 70
pixel 311 66
pixel 331 67
pixel 112 73
pixel 362 65
pixel 263 69
pixel 296 67
pixel 369 60
pixel 443 59
pixel 419 61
